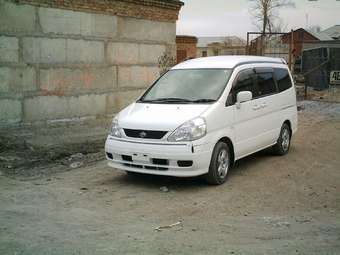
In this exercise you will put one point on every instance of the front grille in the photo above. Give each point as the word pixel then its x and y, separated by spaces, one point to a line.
pixel 146 134
pixel 159 161
pixel 127 158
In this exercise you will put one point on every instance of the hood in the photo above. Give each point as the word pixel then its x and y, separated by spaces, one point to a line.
pixel 160 117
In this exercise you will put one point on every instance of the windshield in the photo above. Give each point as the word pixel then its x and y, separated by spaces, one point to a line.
pixel 188 86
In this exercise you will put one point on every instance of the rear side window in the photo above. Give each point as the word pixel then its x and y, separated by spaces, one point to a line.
pixel 266 84
pixel 245 82
pixel 283 79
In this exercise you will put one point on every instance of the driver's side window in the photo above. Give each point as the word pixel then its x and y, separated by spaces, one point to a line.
pixel 245 81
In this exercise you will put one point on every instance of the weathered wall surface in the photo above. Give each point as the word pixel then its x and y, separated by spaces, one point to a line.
pixel 78 61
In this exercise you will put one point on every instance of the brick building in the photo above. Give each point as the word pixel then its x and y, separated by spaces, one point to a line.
pixel 186 47
pixel 79 59
pixel 278 45
pixel 223 45
pixel 300 36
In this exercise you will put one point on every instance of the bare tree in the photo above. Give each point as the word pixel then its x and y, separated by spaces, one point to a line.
pixel 279 26
pixel 165 62
pixel 314 28
pixel 264 12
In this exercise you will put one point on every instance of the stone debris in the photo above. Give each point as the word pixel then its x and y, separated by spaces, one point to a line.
pixel 275 222
pixel 303 220
pixel 76 156
pixel 160 228
pixel 9 158
pixel 76 164
pixel 164 189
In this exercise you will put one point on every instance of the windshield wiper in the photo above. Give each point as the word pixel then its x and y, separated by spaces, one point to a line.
pixel 203 100
pixel 168 100
pixel 178 100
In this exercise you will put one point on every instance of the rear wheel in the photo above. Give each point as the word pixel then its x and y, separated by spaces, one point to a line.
pixel 283 142
pixel 219 164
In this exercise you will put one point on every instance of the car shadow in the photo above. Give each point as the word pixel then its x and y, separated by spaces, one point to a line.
pixel 153 181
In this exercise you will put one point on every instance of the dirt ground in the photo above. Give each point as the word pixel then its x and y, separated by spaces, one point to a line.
pixel 331 95
pixel 269 205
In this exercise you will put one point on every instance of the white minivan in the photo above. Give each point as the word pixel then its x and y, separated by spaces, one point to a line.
pixel 203 115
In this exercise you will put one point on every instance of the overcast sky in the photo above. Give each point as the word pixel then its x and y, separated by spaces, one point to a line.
pixel 232 17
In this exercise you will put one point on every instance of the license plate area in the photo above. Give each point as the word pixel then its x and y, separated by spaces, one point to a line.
pixel 140 157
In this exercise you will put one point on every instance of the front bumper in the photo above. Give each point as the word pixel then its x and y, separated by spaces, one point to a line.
pixel 159 158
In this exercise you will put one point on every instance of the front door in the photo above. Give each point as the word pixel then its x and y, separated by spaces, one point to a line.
pixel 253 119
pixel 248 126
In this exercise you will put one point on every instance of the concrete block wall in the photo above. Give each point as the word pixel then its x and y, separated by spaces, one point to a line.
pixel 63 63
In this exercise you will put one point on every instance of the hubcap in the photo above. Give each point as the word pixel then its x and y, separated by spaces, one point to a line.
pixel 285 139
pixel 222 163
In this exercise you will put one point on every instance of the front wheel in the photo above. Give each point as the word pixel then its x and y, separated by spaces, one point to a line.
pixel 219 164
pixel 283 142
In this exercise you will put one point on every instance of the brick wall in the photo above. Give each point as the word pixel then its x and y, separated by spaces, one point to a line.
pixel 75 59
pixel 186 47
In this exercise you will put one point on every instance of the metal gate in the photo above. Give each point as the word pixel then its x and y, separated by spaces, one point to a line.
pixel 317 66
pixel 276 45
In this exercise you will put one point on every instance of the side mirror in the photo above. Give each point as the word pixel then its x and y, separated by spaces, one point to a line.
pixel 243 96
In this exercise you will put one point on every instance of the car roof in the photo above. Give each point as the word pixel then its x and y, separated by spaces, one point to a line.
pixel 225 62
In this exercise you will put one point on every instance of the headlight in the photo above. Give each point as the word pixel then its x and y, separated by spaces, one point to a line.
pixel 115 129
pixel 189 131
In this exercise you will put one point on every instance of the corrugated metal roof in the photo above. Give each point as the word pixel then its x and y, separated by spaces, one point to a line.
pixel 321 36
pixel 333 31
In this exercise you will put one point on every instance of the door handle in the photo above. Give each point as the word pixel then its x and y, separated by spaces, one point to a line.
pixel 263 105
pixel 256 107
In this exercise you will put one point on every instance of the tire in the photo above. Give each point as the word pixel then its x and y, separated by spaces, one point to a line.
pixel 220 164
pixel 283 142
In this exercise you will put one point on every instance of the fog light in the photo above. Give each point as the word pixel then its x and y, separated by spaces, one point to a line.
pixel 184 163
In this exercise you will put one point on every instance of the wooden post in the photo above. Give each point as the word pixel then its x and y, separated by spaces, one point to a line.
pixel 291 46
pixel 247 49
pixel 261 48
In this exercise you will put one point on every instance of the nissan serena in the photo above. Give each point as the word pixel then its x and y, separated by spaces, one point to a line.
pixel 203 115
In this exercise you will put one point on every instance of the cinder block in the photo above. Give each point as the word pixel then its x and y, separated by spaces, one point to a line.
pixel 84 51
pixel 44 50
pixel 9 48
pixel 61 81
pixel 149 54
pixel 16 18
pixel 10 111
pixel 137 76
pixel 123 53
pixel 4 79
pixel 17 79
pixel 77 23
pixel 54 107
pixel 104 25
pixel 61 21
pixel 110 103
pixel 89 105
pixel 119 100
pixel 140 29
